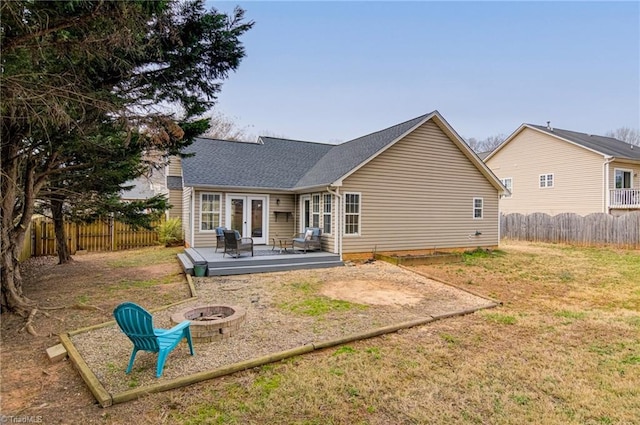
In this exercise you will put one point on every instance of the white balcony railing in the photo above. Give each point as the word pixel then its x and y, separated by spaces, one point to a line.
pixel 624 198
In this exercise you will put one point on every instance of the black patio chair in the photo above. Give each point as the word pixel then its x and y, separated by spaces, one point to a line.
pixel 234 244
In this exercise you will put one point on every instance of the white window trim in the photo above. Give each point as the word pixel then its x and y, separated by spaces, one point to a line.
pixel 325 214
pixel 624 170
pixel 510 190
pixel 319 212
pixel 473 211
pixel 546 180
pixel 219 212
pixel 344 230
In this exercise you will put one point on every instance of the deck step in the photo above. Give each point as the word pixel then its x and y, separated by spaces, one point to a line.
pixel 195 256
pixel 218 270
pixel 186 263
pixel 266 261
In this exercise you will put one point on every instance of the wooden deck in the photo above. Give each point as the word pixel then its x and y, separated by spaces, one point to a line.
pixel 266 259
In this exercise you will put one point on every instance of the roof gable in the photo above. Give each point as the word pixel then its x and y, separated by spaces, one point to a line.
pixel 606 146
pixel 285 164
pixel 345 158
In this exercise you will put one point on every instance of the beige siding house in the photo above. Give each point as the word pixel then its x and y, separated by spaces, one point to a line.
pixel 557 171
pixel 392 190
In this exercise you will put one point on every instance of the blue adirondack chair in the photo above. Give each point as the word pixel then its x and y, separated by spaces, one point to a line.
pixel 137 324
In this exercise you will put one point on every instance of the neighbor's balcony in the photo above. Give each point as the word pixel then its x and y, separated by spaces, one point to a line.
pixel 624 198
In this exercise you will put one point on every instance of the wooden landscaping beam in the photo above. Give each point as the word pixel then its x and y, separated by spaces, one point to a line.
pixel 192 287
pixel 98 391
pixel 209 374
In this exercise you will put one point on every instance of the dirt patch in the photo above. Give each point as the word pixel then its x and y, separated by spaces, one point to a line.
pixel 370 292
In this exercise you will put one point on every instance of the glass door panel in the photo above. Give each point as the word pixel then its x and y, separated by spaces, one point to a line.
pixel 237 215
pixel 257 215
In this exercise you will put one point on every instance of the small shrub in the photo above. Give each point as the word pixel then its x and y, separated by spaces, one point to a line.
pixel 170 232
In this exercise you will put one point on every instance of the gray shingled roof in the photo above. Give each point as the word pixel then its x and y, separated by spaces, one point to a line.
pixel 605 145
pixel 282 163
pixel 275 164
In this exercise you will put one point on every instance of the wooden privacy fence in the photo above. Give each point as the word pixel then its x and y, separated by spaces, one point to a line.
pixel 101 235
pixel 593 229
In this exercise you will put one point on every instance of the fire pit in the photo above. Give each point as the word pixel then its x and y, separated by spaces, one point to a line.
pixel 211 322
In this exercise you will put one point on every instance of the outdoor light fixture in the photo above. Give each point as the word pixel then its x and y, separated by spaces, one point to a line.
pixel 478 233
pixel 278 201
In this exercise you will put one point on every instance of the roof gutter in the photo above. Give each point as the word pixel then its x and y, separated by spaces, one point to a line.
pixel 336 193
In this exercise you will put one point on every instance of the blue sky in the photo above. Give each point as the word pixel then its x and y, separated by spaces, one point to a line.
pixel 333 71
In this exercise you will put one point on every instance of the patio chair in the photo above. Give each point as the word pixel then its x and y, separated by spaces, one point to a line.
pixel 234 244
pixel 137 324
pixel 220 237
pixel 310 239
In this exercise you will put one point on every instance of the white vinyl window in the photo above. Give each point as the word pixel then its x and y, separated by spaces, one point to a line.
pixel 623 179
pixel 351 213
pixel 209 211
pixel 508 183
pixel 478 208
pixel 546 180
pixel 315 211
pixel 326 215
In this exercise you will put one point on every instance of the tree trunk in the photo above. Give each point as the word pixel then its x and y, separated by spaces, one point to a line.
pixel 64 253
pixel 15 216
pixel 13 298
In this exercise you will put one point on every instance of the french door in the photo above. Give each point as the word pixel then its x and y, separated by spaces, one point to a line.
pixel 305 212
pixel 248 215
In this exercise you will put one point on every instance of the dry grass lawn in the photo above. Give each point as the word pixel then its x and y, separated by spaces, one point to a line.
pixel 563 349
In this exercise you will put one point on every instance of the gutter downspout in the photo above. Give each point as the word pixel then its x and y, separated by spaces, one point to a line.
pixel 607 192
pixel 336 193
pixel 192 199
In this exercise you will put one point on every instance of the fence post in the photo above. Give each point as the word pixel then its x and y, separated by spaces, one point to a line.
pixel 113 233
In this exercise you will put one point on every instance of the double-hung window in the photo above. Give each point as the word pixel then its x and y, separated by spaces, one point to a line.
pixel 478 208
pixel 315 211
pixel 209 211
pixel 508 183
pixel 326 215
pixel 546 180
pixel 351 213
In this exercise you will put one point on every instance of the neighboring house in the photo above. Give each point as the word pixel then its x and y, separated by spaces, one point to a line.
pixel 557 171
pixel 412 186
pixel 158 181
pixel 146 186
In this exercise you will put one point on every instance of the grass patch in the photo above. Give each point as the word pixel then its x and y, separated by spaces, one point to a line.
pixel 145 257
pixel 303 298
pixel 502 319
pixel 450 339
pixel 567 314
pixel 129 284
pixel 345 349
pixel 318 306
pixel 468 257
